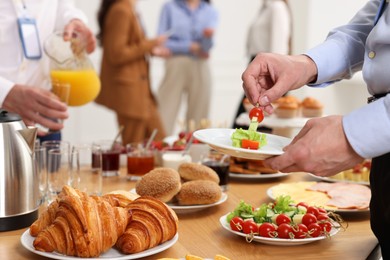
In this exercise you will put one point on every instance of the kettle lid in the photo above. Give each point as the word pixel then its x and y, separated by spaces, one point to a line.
pixel 6 116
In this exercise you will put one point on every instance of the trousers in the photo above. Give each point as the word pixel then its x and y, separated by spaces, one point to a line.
pixel 380 202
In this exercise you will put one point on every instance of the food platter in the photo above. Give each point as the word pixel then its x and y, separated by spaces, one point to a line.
pixel 279 241
pixel 192 208
pixel 257 176
pixel 319 178
pixel 219 139
pixel 112 254
pixel 313 198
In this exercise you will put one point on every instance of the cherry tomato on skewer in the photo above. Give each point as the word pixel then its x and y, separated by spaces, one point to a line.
pixel 256 112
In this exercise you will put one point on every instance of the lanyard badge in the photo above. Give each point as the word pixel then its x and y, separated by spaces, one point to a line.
pixel 29 35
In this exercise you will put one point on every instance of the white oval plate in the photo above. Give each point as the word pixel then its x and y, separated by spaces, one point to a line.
pixel 112 254
pixel 220 140
pixel 255 176
pixel 192 208
pixel 337 210
pixel 319 178
pixel 278 241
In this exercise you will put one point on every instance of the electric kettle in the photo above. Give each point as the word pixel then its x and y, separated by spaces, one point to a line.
pixel 19 188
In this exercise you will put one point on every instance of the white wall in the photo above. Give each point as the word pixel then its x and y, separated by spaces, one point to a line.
pixel 312 20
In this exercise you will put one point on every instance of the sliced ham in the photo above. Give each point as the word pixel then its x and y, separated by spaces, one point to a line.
pixel 344 195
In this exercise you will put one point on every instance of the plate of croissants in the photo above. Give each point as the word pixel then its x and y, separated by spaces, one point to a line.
pixel 116 225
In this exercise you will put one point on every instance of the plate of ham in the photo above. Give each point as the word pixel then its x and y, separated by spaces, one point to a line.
pixel 339 197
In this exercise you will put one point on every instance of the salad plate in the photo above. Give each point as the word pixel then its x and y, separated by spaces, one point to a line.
pixel 112 254
pixel 181 209
pixel 220 140
pixel 278 241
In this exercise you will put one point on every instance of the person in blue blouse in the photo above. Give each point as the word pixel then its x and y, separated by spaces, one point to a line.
pixel 328 145
pixel 190 25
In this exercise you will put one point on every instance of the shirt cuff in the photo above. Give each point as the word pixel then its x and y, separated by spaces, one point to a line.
pixel 5 88
pixel 368 128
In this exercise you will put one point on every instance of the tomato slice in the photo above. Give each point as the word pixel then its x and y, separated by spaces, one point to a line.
pixel 249 144
pixel 256 112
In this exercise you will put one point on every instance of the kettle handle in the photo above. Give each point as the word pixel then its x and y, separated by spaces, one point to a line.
pixel 29 134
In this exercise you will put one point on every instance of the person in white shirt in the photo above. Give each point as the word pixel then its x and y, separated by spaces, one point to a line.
pixel 25 81
pixel 270 31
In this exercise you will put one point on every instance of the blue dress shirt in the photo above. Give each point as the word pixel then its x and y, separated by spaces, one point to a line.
pixel 186 26
pixel 362 44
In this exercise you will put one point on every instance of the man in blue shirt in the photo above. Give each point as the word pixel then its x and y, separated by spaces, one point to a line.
pixel 191 25
pixel 327 145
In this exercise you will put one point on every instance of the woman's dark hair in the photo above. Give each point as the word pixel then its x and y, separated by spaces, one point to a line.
pixel 101 17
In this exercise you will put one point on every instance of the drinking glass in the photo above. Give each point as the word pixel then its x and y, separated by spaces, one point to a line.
pixel 85 177
pixel 220 163
pixel 58 167
pixel 140 160
pixel 40 169
pixel 173 159
pixel 110 152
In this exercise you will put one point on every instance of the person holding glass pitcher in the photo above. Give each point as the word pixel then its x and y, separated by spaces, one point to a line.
pixel 24 69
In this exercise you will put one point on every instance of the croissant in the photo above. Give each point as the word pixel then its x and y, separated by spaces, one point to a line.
pixel 84 226
pixel 152 223
pixel 47 217
pixel 120 198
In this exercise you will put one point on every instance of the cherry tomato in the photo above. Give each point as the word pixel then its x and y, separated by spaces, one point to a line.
pixel 313 210
pixel 282 218
pixel 236 223
pixel 267 230
pixel 322 217
pixel 285 231
pixel 249 226
pixel 314 230
pixel 303 204
pixel 308 219
pixel 326 226
pixel 322 210
pixel 256 112
pixel 249 144
pixel 300 231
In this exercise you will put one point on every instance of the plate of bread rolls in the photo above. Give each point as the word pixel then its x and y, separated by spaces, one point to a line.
pixel 112 226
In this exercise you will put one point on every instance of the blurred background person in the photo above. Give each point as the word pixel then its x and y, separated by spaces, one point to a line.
pixel 125 70
pixel 24 68
pixel 191 25
pixel 270 31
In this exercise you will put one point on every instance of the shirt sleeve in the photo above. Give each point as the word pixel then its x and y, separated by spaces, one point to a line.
pixel 5 87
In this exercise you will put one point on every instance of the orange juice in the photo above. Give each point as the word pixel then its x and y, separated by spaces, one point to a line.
pixel 85 84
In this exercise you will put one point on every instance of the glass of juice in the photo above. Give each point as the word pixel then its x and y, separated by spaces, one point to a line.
pixel 110 152
pixel 220 163
pixel 140 160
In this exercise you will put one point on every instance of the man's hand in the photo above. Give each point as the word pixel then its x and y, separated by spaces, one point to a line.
pixel 76 28
pixel 269 76
pixel 36 105
pixel 321 148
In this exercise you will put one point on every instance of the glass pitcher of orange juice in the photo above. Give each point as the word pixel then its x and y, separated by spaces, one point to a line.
pixel 72 67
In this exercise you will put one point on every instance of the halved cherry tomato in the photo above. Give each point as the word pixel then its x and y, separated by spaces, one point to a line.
pixel 236 223
pixel 256 112
pixel 249 144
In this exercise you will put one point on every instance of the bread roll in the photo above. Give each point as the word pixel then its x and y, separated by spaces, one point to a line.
pixel 199 192
pixel 311 107
pixel 196 171
pixel 287 107
pixel 160 183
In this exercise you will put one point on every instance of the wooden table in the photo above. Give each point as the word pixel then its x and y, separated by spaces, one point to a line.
pixel 201 234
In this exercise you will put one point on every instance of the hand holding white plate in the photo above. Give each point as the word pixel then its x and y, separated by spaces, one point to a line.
pixel 220 140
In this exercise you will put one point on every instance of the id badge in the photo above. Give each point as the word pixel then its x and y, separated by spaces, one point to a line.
pixel 29 37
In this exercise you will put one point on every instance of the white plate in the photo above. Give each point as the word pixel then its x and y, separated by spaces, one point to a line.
pixel 271 196
pixel 278 241
pixel 192 208
pixel 337 180
pixel 220 140
pixel 255 176
pixel 112 254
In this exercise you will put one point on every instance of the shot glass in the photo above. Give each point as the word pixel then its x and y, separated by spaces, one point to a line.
pixel 110 155
pixel 220 163
pixel 59 174
pixel 140 160
pixel 85 177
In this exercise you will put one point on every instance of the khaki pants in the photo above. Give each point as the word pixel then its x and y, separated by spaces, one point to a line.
pixel 189 78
